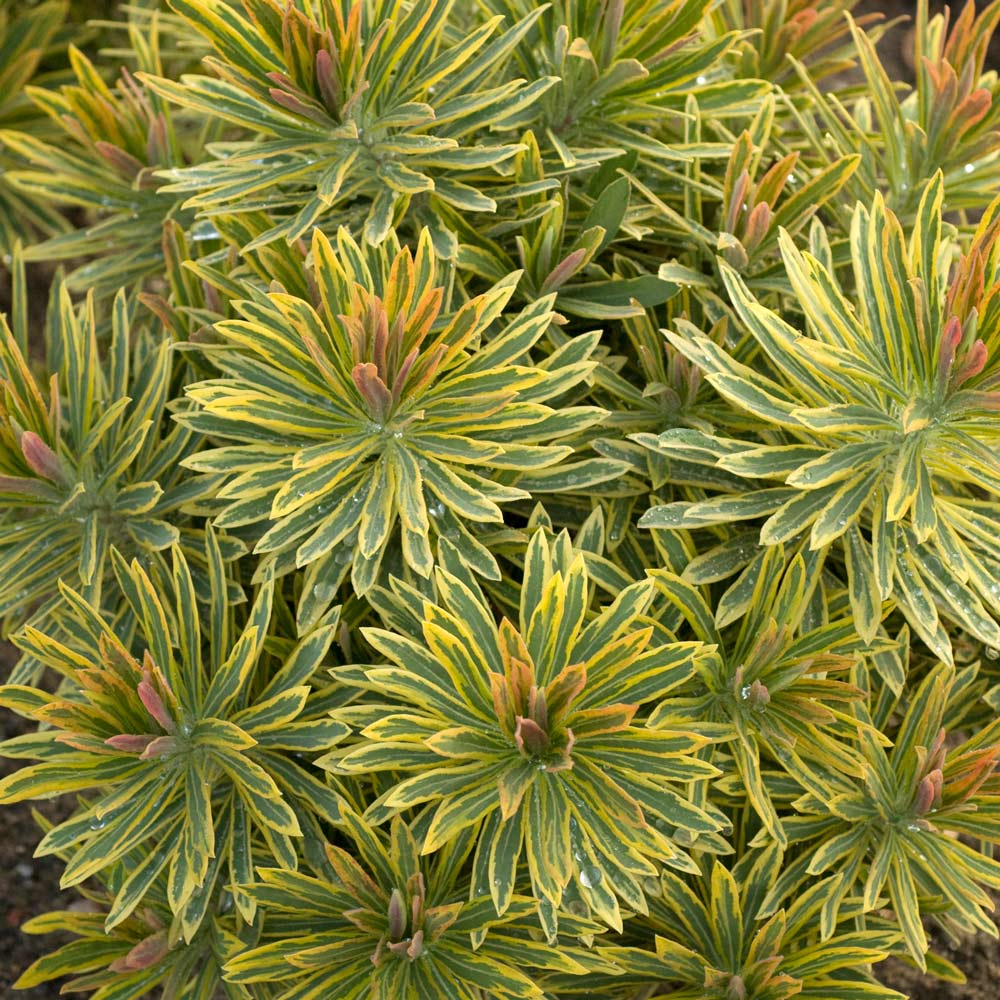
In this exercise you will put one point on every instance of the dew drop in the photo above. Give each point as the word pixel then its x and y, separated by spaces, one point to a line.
pixel 591 877
pixel 969 168
pixel 204 231
pixel 701 80
pixel 323 592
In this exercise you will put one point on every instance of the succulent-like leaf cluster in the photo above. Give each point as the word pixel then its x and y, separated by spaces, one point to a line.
pixel 25 40
pixel 505 502
pixel 90 463
pixel 532 731
pixel 385 410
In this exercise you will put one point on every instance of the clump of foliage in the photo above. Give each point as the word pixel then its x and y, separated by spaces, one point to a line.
pixel 505 501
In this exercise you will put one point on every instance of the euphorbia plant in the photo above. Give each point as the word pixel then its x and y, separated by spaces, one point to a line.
pixel 183 740
pixel 505 502
pixel 376 417
pixel 535 732
pixel 886 416
pixel 87 462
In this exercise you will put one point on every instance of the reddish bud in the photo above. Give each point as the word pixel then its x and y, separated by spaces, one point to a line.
pixel 159 747
pixel 40 457
pixel 145 954
pixel 923 801
pixel 373 390
pixel 756 694
pixel 936 778
pixel 974 363
pixel 416 948
pixel 951 337
pixel 758 224
pixel 130 742
pixel 397 916
pixel 973 109
pixel 538 707
pixel 154 704
pixel 563 271
pixel 530 738
pixel 327 83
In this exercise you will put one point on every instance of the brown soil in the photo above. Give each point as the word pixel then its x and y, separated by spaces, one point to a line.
pixel 28 886
pixel 978 957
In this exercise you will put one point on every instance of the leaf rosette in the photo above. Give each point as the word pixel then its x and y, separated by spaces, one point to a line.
pixel 534 733
pixel 103 158
pixel 378 921
pixel 885 412
pixel 373 409
pixel 366 108
pixel 713 944
pixel 183 733
pixel 896 831
pixel 85 462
